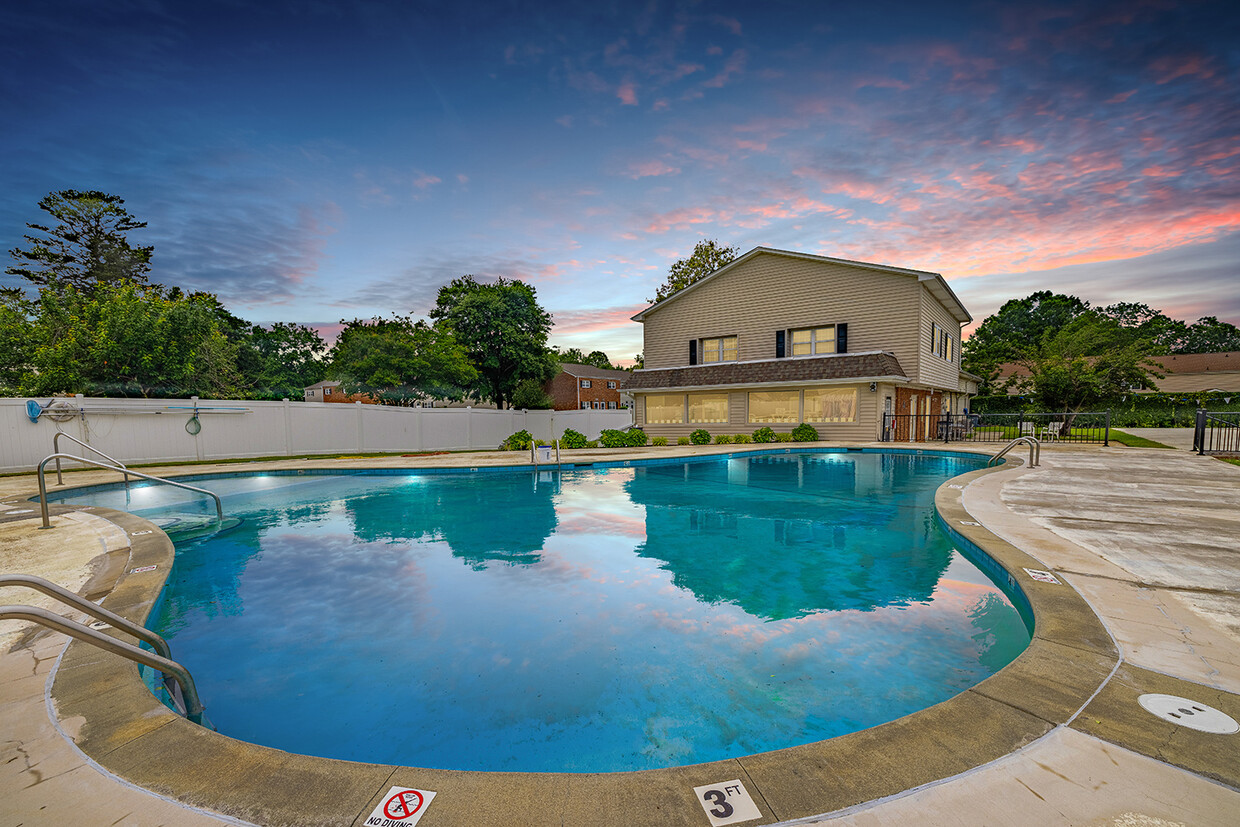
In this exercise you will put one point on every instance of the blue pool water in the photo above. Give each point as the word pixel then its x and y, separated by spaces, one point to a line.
pixel 592 620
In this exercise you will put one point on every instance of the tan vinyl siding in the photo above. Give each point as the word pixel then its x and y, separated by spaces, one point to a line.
pixel 1193 382
pixel 930 368
pixel 772 292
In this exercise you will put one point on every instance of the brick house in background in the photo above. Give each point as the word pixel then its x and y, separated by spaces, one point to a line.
pixel 329 391
pixel 776 338
pixel 585 386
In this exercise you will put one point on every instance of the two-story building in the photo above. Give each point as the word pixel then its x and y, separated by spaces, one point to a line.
pixel 585 386
pixel 777 338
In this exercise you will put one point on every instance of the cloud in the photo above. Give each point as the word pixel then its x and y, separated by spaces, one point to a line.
pixel 627 93
pixel 570 322
pixel 650 169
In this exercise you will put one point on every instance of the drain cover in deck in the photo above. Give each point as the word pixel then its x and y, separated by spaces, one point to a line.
pixel 1191 714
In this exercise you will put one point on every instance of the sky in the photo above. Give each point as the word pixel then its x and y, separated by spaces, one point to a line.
pixel 313 161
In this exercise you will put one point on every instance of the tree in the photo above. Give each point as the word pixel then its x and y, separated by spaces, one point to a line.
pixel 291 357
pixel 400 361
pixel 1209 335
pixel 1142 321
pixel 595 358
pixel 1019 324
pixel 639 361
pixel 125 339
pixel 16 340
pixel 504 331
pixel 530 395
pixel 1088 361
pixel 707 257
pixel 85 246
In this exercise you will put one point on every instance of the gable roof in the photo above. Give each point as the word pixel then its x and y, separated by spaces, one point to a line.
pixel 934 282
pixel 1198 362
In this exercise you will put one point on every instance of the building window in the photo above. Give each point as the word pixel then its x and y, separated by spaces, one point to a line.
pixel 665 409
pixel 774 406
pixel 327 391
pixel 719 350
pixel 708 407
pixel 831 405
pixel 311 392
pixel 942 343
pixel 585 405
pixel 585 383
pixel 611 406
pixel 814 340
pixel 611 386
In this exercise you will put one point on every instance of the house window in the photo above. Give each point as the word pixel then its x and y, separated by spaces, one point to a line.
pixel 311 392
pixel 831 405
pixel 585 383
pixel 813 340
pixel 708 407
pixel 774 406
pixel 665 409
pixel 942 343
pixel 611 386
pixel 719 350
pixel 585 405
pixel 327 391
pixel 611 406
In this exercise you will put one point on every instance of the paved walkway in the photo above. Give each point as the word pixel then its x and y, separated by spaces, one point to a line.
pixel 1175 437
pixel 1148 537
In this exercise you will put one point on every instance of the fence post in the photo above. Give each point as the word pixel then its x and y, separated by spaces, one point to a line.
pixel 360 435
pixel 1199 433
pixel 288 430
pixel 1106 435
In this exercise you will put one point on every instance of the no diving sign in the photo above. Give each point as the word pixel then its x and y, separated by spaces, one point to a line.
pixel 401 806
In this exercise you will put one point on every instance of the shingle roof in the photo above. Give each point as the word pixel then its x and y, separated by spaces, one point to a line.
pixel 866 366
pixel 1197 362
pixel 589 371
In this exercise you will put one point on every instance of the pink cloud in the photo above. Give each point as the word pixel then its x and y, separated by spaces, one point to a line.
pixel 627 94
pixel 569 322
pixel 1171 68
pixel 650 169
pixel 734 65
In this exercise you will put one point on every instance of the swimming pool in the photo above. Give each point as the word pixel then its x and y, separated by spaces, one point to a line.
pixel 595 619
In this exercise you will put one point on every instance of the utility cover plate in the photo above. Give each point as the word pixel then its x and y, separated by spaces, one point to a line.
pixel 1191 714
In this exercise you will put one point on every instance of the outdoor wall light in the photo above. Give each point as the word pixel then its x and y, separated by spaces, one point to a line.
pixel 873 387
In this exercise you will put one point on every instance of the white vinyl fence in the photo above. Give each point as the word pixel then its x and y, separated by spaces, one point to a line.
pixel 155 430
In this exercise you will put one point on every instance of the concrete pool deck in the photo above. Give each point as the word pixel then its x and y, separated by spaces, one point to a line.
pixel 1147 537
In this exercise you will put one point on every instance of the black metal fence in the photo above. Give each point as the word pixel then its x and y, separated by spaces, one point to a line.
pixel 1092 428
pixel 1217 433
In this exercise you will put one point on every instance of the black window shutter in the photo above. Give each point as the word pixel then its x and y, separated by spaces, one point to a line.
pixel 779 344
pixel 693 352
pixel 841 338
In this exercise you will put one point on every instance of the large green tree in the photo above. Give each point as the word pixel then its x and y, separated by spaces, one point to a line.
pixel 1091 359
pixel 708 256
pixel 400 361
pixel 290 357
pixel 1020 324
pixel 504 330
pixel 595 358
pixel 124 339
pixel 1209 335
pixel 84 245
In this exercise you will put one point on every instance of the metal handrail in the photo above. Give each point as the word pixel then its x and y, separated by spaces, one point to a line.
pixel 47 523
pixel 93 609
pixel 193 706
pixel 72 438
pixel 1035 450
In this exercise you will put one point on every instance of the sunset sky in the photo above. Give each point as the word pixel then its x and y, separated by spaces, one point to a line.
pixel 314 161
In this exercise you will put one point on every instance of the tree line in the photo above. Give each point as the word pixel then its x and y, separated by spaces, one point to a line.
pixel 97 325
pixel 1067 355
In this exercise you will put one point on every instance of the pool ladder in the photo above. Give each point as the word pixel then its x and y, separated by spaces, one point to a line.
pixel 1035 450
pixel 47 523
pixel 177 679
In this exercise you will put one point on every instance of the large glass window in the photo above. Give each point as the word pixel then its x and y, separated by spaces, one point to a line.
pixel 831 405
pixel 708 407
pixel 774 406
pixel 665 409
pixel 719 350
pixel 813 340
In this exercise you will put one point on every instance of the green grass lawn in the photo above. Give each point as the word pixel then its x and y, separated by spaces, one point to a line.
pixel 1135 441
pixel 1232 460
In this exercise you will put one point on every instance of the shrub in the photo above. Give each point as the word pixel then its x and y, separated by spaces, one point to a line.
pixel 520 441
pixel 611 438
pixel 700 437
pixel 635 438
pixel 741 439
pixel 783 437
pixel 804 433
pixel 592 443
pixel 573 439
pixel 683 440
pixel 661 440
pixel 529 394
pixel 723 439
pixel 764 434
